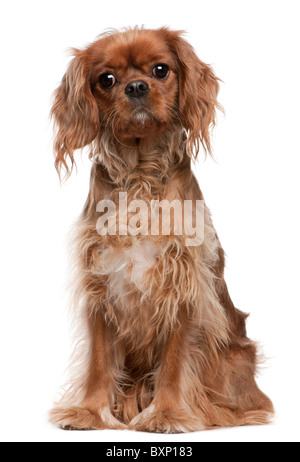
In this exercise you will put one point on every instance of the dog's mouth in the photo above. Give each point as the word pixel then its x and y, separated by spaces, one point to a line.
pixel 142 118
pixel 139 121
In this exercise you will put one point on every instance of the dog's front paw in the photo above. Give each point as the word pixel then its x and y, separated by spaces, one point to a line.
pixel 175 420
pixel 79 418
pixel 75 418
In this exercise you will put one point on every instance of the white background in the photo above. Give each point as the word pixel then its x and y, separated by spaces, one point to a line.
pixel 252 190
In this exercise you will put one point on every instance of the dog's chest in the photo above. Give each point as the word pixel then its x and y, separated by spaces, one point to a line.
pixel 126 268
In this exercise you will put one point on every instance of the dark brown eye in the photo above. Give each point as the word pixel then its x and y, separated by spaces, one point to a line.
pixel 107 80
pixel 161 71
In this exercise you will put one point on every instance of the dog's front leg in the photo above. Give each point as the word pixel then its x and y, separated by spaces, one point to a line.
pixel 94 411
pixel 168 412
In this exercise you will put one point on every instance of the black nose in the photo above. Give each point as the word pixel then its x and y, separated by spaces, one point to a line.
pixel 137 89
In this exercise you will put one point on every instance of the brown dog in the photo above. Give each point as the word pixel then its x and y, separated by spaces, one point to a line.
pixel 162 348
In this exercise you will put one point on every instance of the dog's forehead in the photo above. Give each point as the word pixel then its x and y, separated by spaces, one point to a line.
pixel 138 49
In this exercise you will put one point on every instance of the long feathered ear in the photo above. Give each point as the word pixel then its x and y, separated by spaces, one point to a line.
pixel 198 90
pixel 75 113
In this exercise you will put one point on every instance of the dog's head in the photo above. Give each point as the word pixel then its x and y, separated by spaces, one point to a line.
pixel 135 84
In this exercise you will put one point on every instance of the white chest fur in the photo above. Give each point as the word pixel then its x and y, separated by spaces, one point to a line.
pixel 126 267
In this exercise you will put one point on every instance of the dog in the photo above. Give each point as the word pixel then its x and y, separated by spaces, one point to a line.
pixel 161 346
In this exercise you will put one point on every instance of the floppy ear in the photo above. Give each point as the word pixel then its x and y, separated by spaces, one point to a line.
pixel 75 113
pixel 198 90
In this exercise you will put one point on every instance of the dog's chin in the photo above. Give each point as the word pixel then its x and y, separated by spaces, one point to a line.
pixel 142 118
pixel 141 124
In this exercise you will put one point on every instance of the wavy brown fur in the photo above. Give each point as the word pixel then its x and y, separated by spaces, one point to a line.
pixel 162 346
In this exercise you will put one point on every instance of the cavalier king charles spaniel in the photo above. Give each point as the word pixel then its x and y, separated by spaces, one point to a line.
pixel 161 346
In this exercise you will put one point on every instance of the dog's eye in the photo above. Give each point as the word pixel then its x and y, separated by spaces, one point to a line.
pixel 107 80
pixel 161 71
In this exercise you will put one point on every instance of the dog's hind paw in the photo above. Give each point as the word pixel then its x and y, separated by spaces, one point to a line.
pixel 78 418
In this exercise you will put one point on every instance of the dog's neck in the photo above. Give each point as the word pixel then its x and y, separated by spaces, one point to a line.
pixel 143 164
